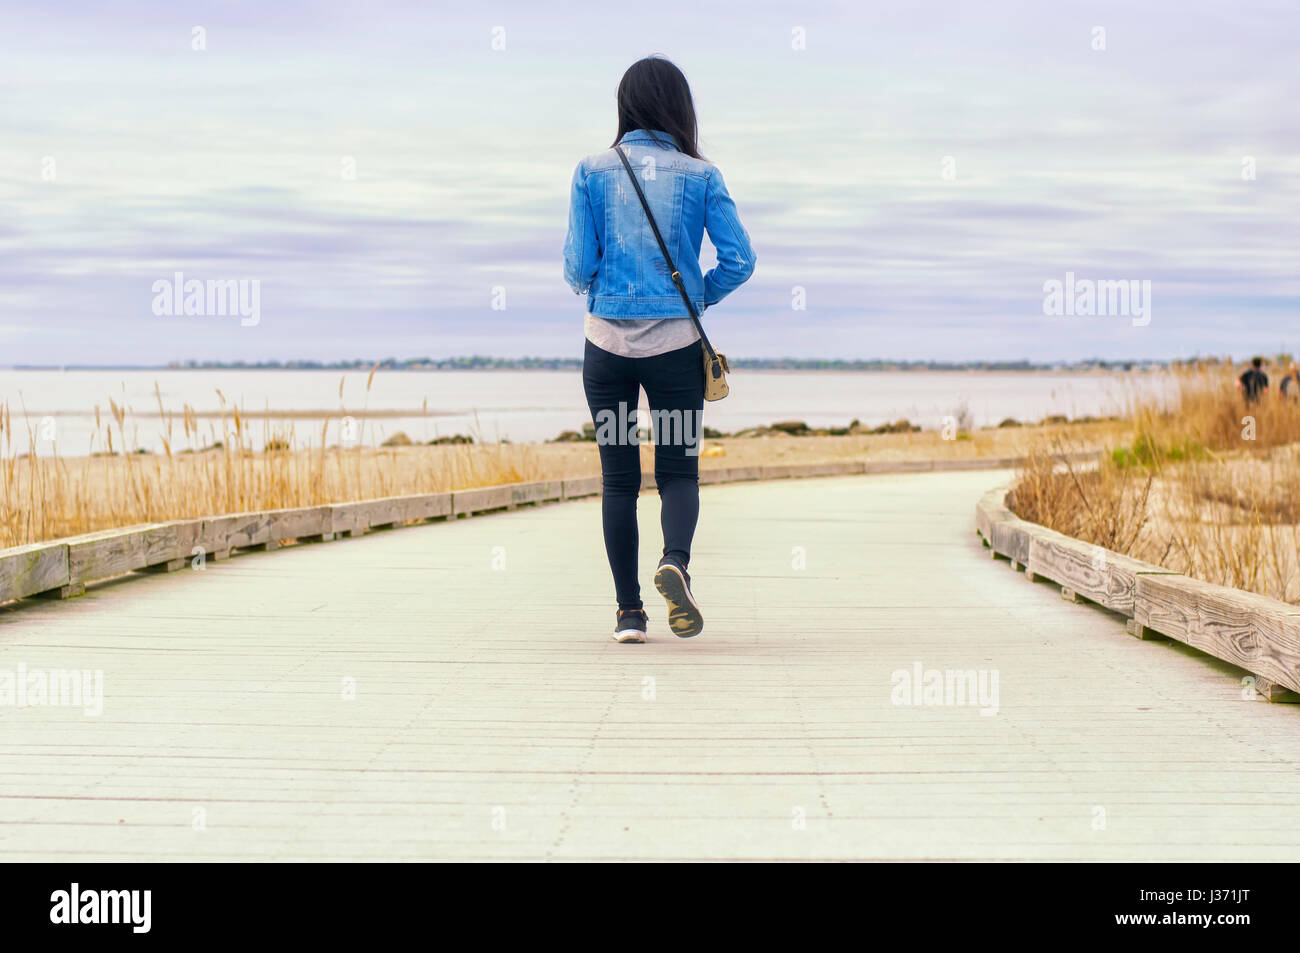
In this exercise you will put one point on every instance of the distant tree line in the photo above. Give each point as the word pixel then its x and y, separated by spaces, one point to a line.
pixel 478 362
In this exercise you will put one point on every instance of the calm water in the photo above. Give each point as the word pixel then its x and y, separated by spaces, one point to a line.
pixel 520 405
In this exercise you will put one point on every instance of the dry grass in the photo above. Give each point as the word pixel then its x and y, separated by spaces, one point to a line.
pixel 208 465
pixel 47 497
pixel 1205 485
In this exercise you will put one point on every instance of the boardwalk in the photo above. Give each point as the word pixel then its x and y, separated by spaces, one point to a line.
pixel 492 718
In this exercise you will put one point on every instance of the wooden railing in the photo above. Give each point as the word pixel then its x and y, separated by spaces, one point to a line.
pixel 1259 634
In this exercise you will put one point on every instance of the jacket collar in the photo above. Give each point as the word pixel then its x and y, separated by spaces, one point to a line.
pixel 642 135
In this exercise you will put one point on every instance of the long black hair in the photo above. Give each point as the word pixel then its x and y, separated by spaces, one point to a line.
pixel 654 95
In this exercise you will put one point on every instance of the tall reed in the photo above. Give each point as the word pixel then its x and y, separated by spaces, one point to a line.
pixel 1205 484
pixel 46 496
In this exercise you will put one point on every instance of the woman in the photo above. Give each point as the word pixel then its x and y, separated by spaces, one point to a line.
pixel 639 332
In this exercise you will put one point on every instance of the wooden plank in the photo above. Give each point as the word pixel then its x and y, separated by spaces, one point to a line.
pixel 786 471
pixel 464 502
pixel 897 466
pixel 1260 635
pixel 411 507
pixel 187 536
pixel 69 591
pixel 1005 532
pixel 1273 692
pixel 352 518
pixel 1012 538
pixel 1094 572
pixel 742 474
pixel 220 534
pixel 356 517
pixel 1167 603
pixel 27 570
pixel 988 510
pixel 801 471
pixel 299 522
pixel 112 552
pixel 1277 626
pixel 235 531
pixel 969 463
pixel 213 535
pixel 1139 631
pixel 537 492
pixel 842 468
pixel 172 565
pixel 722 475
pixel 780 471
pixel 581 486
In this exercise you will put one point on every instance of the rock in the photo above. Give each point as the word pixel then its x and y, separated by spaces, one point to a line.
pixel 898 426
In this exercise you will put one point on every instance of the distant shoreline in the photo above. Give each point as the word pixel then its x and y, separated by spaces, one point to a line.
pixel 574 364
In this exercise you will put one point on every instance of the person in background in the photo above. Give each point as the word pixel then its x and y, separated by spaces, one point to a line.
pixel 1254 382
pixel 1289 387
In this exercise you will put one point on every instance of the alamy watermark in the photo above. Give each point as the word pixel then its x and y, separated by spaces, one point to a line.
pixel 25 687
pixel 975 688
pixel 1123 297
pixel 228 297
pixel 667 427
pixel 81 906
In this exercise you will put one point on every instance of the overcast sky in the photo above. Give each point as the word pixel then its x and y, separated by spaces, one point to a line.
pixel 228 163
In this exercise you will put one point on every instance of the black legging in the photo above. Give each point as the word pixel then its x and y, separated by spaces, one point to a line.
pixel 674 387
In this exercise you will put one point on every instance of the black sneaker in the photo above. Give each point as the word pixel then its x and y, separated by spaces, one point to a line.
pixel 630 625
pixel 674 584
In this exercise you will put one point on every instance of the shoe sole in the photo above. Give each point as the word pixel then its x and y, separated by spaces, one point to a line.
pixel 629 637
pixel 684 616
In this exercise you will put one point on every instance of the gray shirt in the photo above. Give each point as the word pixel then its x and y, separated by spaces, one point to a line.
pixel 640 337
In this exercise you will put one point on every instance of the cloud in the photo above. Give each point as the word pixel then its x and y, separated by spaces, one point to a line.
pixel 228 163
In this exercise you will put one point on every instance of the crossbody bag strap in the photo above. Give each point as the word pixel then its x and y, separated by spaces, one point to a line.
pixel 663 248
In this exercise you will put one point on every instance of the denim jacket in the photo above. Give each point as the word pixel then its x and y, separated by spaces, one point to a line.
pixel 611 252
